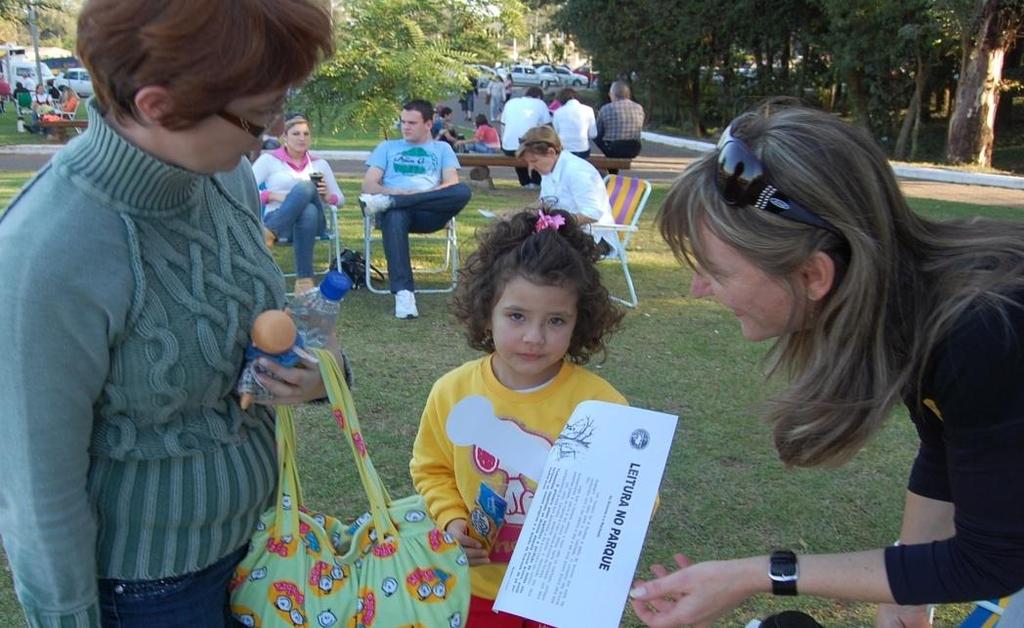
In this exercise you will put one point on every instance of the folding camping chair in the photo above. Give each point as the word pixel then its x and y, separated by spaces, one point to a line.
pixel 448 269
pixel 628 198
pixel 331 236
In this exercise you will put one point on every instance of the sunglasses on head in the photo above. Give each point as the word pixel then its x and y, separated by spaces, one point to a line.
pixel 741 181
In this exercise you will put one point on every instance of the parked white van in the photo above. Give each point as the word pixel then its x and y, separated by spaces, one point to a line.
pixel 20 69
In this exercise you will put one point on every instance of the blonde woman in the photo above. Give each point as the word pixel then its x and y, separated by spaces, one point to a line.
pixel 68 103
pixel 796 224
pixel 295 184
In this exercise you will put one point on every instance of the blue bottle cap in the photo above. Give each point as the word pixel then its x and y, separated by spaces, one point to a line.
pixel 335 285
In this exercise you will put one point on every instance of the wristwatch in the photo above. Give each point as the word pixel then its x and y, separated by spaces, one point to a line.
pixel 783 572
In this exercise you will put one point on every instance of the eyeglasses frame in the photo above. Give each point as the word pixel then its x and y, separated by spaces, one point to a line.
pixel 247 125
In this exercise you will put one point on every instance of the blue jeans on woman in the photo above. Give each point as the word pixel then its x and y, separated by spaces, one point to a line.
pixel 197 599
pixel 480 147
pixel 299 218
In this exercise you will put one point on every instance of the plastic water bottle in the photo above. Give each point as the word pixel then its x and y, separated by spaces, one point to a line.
pixel 316 312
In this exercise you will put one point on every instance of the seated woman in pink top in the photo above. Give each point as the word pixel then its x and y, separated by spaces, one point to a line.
pixel 485 140
pixel 295 184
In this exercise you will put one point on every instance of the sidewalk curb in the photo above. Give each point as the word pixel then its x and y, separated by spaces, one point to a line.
pixel 942 175
pixel 902 170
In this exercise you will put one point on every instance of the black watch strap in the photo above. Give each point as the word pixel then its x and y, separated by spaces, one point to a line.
pixel 784 572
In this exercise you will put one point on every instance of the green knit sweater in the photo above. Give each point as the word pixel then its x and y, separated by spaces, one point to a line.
pixel 128 287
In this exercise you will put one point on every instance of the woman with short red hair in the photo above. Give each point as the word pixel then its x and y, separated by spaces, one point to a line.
pixel 132 479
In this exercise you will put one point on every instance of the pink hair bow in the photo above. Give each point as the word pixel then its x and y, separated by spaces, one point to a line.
pixel 549 221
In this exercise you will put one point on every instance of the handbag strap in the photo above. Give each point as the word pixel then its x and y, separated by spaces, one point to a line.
pixel 288 484
pixel 344 411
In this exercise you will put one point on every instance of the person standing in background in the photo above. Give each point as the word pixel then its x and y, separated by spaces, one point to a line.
pixel 496 98
pixel 5 93
pixel 575 123
pixel 522 114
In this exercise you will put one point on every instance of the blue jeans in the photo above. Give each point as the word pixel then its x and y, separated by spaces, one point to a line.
pixel 480 147
pixel 299 218
pixel 196 599
pixel 425 212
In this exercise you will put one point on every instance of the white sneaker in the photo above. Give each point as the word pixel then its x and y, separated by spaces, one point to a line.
pixel 375 203
pixel 405 304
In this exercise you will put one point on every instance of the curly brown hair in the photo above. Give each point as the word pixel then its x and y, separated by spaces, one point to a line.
pixel 565 257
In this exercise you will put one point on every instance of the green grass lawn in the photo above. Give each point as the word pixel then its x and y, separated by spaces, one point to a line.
pixel 724 493
pixel 9 129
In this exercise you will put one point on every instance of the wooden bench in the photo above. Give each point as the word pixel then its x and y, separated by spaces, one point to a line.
pixel 481 162
pixel 61 127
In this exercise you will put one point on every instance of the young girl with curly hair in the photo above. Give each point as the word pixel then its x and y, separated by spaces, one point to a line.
pixel 531 298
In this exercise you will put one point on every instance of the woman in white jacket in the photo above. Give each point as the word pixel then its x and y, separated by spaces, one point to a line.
pixel 294 185
pixel 570 183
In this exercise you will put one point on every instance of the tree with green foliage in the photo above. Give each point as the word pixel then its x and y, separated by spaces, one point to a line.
pixel 56 20
pixel 389 51
pixel 659 44
pixel 992 32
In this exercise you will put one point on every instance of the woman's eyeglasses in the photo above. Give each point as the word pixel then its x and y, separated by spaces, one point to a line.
pixel 247 125
pixel 741 181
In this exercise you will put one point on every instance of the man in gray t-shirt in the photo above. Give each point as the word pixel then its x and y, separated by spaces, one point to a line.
pixel 412 185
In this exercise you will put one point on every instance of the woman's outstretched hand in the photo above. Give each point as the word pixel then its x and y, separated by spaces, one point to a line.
pixel 693 595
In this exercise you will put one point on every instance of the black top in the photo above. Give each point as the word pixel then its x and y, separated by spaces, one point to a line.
pixel 970 419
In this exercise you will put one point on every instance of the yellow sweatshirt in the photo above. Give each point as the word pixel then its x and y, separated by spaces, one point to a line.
pixel 476 442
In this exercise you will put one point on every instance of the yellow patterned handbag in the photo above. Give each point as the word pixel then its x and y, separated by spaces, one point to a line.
pixel 391 567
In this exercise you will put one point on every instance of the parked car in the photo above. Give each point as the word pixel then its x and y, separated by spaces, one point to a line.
pixel 529 75
pixel 548 73
pixel 78 79
pixel 483 74
pixel 587 72
pixel 568 78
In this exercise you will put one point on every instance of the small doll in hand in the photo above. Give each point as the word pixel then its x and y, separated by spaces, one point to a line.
pixel 274 337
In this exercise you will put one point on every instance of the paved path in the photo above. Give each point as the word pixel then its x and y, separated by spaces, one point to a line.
pixel 657 162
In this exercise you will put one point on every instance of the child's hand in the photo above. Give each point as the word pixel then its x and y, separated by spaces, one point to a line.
pixel 475 551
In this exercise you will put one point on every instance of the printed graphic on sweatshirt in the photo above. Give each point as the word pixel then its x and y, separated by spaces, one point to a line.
pixel 511 457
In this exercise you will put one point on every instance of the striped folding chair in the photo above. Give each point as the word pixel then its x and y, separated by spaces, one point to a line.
pixel 628 197
pixel 986 614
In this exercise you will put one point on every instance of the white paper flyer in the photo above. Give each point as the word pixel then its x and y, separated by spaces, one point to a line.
pixel 577 553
